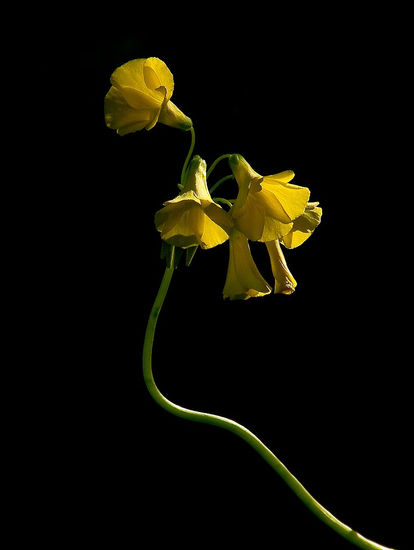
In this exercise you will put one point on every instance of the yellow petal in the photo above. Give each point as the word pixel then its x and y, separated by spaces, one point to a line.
pixel 284 281
pixel 250 218
pixel 243 279
pixel 156 74
pixel 212 235
pixel 186 196
pixel 130 75
pixel 120 116
pixel 181 223
pixel 273 229
pixel 285 177
pixel 304 226
pixel 292 198
pixel 196 180
pixel 247 180
pixel 219 216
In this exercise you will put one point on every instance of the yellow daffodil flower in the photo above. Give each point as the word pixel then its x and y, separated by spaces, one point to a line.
pixel 243 279
pixel 193 218
pixel 284 281
pixel 304 226
pixel 140 97
pixel 266 207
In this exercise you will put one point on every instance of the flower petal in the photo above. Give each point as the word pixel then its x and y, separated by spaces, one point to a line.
pixel 243 279
pixel 212 235
pixel 121 117
pixel 156 74
pixel 304 226
pixel 250 218
pixel 273 229
pixel 285 177
pixel 219 216
pixel 292 198
pixel 129 77
pixel 181 223
pixel 284 281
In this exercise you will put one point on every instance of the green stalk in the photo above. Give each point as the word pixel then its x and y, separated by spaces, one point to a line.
pixel 187 160
pixel 219 159
pixel 196 416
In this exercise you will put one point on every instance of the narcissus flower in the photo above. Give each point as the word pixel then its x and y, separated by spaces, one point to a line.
pixel 193 218
pixel 304 226
pixel 266 207
pixel 140 97
pixel 284 281
pixel 243 279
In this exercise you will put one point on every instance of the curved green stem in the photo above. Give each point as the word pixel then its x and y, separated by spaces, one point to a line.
pixel 220 181
pixel 196 416
pixel 187 160
pixel 223 201
pixel 222 157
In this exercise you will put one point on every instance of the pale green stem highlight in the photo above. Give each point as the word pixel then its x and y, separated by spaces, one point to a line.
pixel 222 157
pixel 187 160
pixel 196 416
pixel 223 201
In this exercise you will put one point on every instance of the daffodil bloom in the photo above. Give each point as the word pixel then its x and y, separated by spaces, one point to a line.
pixel 140 96
pixel 243 279
pixel 284 281
pixel 266 207
pixel 193 218
pixel 304 226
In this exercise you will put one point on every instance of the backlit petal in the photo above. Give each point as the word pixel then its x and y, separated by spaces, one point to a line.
pixel 243 279
pixel 250 218
pixel 212 235
pixel 303 226
pixel 285 177
pixel 181 224
pixel 284 281
pixel 156 74
pixel 130 76
pixel 123 118
pixel 292 198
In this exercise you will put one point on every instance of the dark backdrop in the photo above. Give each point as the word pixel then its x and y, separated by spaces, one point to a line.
pixel 319 376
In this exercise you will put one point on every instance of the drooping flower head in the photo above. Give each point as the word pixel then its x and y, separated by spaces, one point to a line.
pixel 272 210
pixel 140 96
pixel 266 207
pixel 193 218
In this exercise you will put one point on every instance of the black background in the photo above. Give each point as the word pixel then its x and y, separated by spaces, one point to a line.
pixel 320 376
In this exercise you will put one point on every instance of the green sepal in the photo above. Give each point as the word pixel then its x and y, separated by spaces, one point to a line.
pixel 189 254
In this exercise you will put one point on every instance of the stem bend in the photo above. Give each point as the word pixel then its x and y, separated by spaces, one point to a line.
pixel 206 418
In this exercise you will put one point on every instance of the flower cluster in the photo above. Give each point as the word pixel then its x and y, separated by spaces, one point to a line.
pixel 268 209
